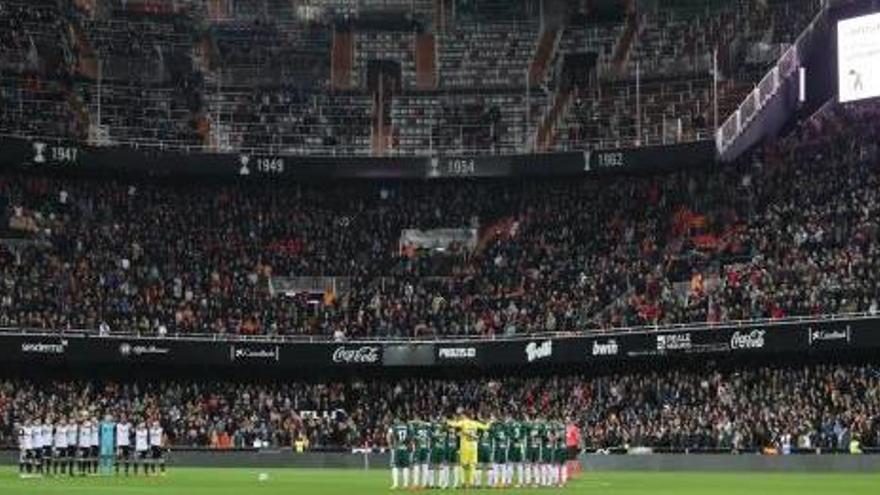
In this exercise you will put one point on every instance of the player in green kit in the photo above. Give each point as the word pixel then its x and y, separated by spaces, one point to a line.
pixel 535 431
pixel 547 449
pixel 421 432
pixel 517 451
pixel 484 454
pixel 400 440
pixel 438 456
pixel 560 454
pixel 453 449
pixel 500 444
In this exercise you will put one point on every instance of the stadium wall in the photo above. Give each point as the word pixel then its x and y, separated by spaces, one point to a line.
pixel 78 159
pixel 285 458
pixel 842 336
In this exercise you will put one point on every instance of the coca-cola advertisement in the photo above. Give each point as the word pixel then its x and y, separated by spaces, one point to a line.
pixel 365 355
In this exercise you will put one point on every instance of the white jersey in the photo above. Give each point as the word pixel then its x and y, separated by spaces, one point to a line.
pixel 61 437
pixel 24 437
pixel 123 434
pixel 85 435
pixel 36 437
pixel 94 435
pixel 140 439
pixel 156 436
pixel 71 435
pixel 47 435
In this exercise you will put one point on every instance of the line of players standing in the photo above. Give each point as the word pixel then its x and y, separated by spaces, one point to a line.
pixel 51 447
pixel 509 453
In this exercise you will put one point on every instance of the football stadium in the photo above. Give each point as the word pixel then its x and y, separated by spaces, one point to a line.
pixel 614 247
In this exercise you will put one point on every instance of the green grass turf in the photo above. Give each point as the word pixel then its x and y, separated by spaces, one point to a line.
pixel 186 481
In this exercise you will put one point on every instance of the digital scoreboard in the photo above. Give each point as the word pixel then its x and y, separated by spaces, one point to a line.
pixel 858 57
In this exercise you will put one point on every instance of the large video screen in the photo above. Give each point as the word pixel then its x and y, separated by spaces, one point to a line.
pixel 858 57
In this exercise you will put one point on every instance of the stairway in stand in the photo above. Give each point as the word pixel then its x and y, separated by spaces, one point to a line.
pixel 342 60
pixel 426 62
pixel 547 43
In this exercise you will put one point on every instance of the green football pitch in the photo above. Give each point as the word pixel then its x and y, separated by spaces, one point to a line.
pixel 220 481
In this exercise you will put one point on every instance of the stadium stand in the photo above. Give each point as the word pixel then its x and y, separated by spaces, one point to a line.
pixel 783 234
pixel 482 60
pixel 726 410
pixel 253 300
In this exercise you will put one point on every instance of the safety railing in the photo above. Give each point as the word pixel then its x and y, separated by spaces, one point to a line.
pixel 645 329
pixel 736 123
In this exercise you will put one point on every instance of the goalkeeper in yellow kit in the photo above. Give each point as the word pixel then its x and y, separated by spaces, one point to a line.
pixel 468 433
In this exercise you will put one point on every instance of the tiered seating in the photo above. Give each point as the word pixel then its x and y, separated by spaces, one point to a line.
pixel 673 55
pixel 290 120
pixel 464 123
pixel 486 55
pixel 607 118
pixel 143 115
pixel 141 48
pixel 35 107
pixel 385 45
pixel 279 53
pixel 271 46
pixel 350 8
pixel 600 39
pixel 681 41
pixel 34 36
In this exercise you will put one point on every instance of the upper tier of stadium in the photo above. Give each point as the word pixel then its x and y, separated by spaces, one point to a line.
pixel 385 77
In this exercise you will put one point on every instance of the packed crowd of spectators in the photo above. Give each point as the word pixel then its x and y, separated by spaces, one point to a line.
pixel 792 232
pixel 786 408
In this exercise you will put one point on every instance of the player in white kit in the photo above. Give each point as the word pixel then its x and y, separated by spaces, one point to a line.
pixel 46 437
pixel 72 431
pixel 141 445
pixel 24 448
pixel 36 433
pixel 59 447
pixel 84 443
pixel 94 445
pixel 123 445
pixel 156 447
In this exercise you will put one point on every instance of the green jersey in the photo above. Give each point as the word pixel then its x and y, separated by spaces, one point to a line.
pixel 516 448
pixel 499 434
pixel 439 439
pixel 484 440
pixel 421 432
pixel 536 432
pixel 548 438
pixel 452 440
pixel 452 446
pixel 401 436
pixel 438 436
pixel 517 433
pixel 561 454
pixel 560 435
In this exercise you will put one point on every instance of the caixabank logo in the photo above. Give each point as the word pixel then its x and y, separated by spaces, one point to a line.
pixel 833 336
pixel 254 353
